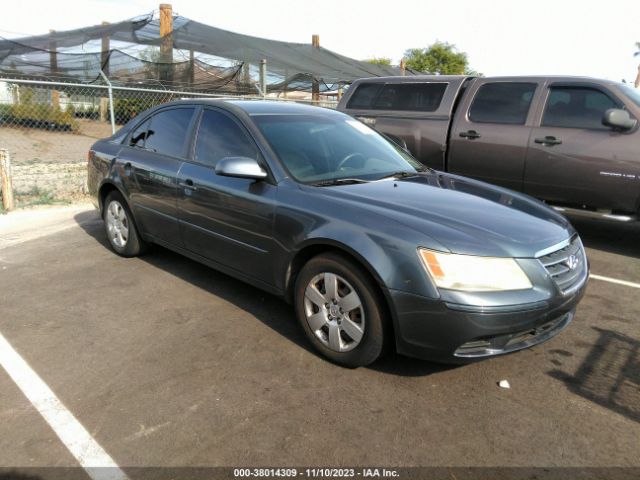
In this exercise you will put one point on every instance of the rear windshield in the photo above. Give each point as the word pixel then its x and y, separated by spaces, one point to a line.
pixel 415 97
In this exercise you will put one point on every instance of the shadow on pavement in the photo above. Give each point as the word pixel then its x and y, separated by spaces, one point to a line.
pixel 272 311
pixel 609 236
pixel 609 375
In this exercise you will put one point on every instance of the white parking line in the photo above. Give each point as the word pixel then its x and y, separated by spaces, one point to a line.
pixel 96 462
pixel 615 280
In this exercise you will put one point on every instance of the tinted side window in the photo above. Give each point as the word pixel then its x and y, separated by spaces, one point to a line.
pixel 168 131
pixel 502 102
pixel 139 134
pixel 219 137
pixel 364 95
pixel 417 97
pixel 576 107
pixel 423 97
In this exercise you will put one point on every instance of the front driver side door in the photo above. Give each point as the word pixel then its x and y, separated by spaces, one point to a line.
pixel 226 220
pixel 573 159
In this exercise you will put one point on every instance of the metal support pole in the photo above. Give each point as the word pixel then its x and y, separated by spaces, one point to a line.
pixel 111 112
pixel 263 77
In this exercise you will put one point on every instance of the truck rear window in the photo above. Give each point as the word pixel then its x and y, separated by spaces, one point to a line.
pixel 415 97
pixel 502 102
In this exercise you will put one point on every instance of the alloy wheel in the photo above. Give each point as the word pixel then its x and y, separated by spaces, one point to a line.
pixel 334 312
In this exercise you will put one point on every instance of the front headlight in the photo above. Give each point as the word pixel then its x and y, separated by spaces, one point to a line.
pixel 473 274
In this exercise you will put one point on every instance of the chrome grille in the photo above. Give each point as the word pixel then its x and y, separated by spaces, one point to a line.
pixel 567 266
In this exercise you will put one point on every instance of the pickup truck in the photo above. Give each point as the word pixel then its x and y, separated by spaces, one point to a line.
pixel 573 142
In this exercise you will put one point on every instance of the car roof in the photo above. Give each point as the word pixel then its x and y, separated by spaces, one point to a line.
pixel 259 107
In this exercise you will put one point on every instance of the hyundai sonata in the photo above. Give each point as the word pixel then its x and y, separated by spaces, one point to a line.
pixel 370 247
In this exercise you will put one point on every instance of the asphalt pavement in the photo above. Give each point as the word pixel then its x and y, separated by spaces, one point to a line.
pixel 166 362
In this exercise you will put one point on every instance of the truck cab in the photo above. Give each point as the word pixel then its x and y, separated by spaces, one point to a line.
pixel 570 141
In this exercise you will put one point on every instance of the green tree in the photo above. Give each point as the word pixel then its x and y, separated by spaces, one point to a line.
pixel 441 57
pixel 379 61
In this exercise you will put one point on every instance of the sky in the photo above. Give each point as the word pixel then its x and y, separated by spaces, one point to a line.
pixel 561 37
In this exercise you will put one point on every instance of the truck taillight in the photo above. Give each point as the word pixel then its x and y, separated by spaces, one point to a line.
pixel 90 155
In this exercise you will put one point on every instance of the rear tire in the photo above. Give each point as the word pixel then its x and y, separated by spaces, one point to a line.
pixel 340 311
pixel 120 227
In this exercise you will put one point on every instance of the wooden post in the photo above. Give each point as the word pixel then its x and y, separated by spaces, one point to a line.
pixel 104 52
pixel 315 86
pixel 263 77
pixel 285 84
pixel 192 68
pixel 246 77
pixel 5 178
pixel 637 82
pixel 53 66
pixel 104 65
pixel 403 67
pixel 166 45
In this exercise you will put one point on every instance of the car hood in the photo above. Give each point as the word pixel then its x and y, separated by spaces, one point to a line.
pixel 464 215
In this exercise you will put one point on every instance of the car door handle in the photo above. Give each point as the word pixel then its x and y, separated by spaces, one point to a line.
pixel 548 140
pixel 470 134
pixel 188 184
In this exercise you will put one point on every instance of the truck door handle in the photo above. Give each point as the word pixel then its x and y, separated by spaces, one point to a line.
pixel 548 140
pixel 187 184
pixel 470 134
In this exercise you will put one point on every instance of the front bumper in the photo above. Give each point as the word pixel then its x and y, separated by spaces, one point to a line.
pixel 432 329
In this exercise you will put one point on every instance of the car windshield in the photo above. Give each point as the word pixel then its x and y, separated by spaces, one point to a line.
pixel 318 149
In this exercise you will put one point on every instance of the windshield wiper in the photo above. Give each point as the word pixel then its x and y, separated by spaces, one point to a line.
pixel 339 181
pixel 404 174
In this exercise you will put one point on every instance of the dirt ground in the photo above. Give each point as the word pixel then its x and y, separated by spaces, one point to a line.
pixel 31 145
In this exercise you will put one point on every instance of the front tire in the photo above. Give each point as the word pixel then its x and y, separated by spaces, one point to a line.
pixel 340 311
pixel 120 227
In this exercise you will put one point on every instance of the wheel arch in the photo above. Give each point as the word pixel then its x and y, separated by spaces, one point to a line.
pixel 105 189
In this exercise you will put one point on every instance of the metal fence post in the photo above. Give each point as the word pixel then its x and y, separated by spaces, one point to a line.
pixel 5 178
pixel 111 112
pixel 263 77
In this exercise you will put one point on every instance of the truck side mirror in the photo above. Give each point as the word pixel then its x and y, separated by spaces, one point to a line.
pixel 618 119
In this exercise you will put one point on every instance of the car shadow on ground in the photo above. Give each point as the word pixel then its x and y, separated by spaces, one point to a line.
pixel 609 375
pixel 609 236
pixel 272 311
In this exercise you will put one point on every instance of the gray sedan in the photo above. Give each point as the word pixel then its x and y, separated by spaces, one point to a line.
pixel 371 248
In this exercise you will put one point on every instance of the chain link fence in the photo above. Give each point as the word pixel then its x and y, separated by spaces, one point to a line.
pixel 48 127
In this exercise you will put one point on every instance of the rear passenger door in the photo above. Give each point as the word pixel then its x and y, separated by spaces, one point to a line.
pixel 149 161
pixel 574 159
pixel 225 219
pixel 491 132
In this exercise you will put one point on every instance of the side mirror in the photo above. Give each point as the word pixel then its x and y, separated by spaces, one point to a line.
pixel 240 167
pixel 618 119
